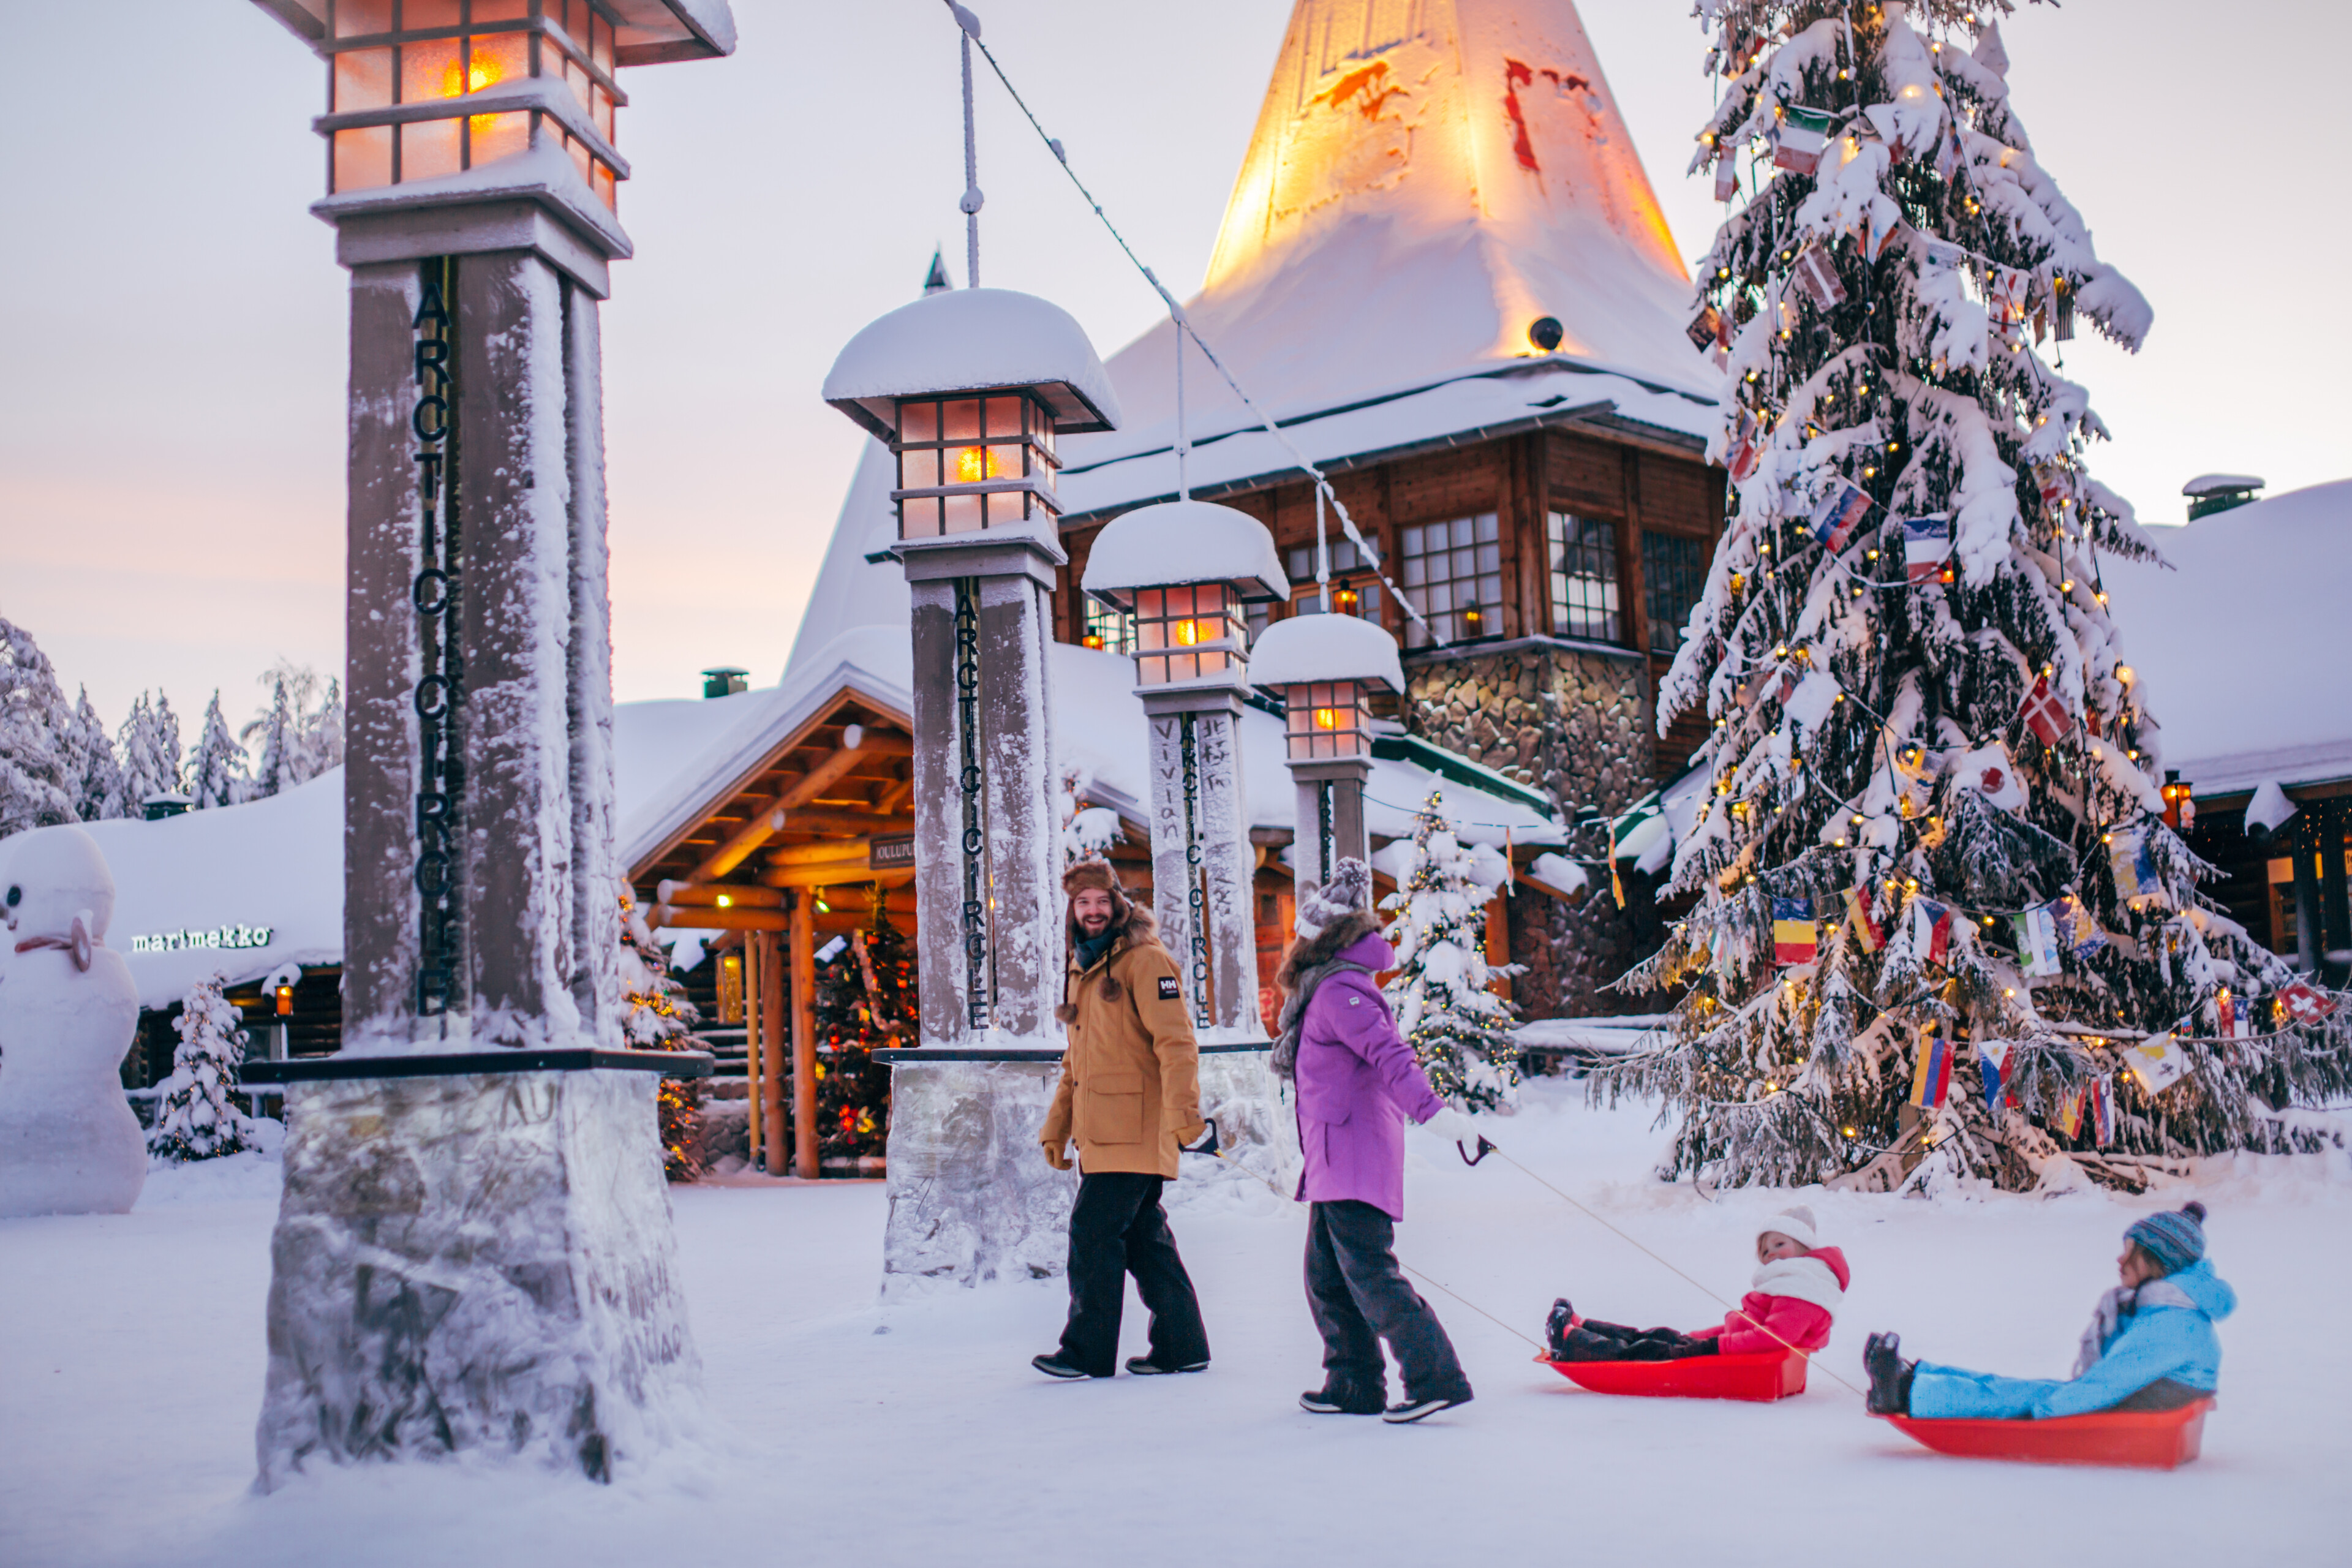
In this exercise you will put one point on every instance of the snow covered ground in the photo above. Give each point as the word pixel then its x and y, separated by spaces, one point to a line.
pixel 846 1433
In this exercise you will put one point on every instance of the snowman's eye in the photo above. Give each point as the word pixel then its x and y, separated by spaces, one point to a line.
pixel 15 897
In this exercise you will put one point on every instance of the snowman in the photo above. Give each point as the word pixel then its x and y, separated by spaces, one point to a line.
pixel 69 1143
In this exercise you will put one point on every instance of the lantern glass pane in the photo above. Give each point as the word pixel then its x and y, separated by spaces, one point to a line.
pixel 964 514
pixel 580 159
pixel 600 43
pixel 919 519
pixel 363 81
pixel 428 150
pixel 575 77
pixel 919 421
pixel 918 470
pixel 1005 415
pixel 608 187
pixel 960 419
pixel 363 18
pixel 499 136
pixel 428 71
pixel 363 158
pixel 418 13
pixel 600 111
pixel 501 10
pixel 498 57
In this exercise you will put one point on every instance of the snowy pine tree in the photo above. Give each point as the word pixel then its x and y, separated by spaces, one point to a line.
pixel 151 754
pixel 95 780
pixel 1935 821
pixel 299 734
pixel 195 1116
pixel 35 788
pixel 217 773
pixel 660 1019
pixel 1459 1028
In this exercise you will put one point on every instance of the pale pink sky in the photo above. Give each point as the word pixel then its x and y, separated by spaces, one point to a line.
pixel 171 426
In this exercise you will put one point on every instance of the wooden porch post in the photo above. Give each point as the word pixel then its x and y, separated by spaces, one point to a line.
pixel 771 1049
pixel 753 1079
pixel 804 1156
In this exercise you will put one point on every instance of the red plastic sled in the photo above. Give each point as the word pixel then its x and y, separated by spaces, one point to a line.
pixel 2145 1439
pixel 1762 1375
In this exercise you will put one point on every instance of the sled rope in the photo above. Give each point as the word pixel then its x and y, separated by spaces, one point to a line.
pixel 1810 1356
pixel 1409 1268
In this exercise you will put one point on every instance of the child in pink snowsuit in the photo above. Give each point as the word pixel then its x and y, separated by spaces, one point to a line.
pixel 1796 1289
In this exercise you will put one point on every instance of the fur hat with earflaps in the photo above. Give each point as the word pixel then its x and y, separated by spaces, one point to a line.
pixel 1349 892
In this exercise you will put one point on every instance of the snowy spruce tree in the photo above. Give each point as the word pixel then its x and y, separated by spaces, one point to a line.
pixel 217 773
pixel 1936 840
pixel 150 749
pixel 94 776
pixel 660 1019
pixel 195 1116
pixel 1457 1026
pixel 36 725
pixel 299 734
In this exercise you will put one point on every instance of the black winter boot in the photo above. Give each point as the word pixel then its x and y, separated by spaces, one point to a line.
pixel 1890 1375
pixel 1562 1318
pixel 1336 1398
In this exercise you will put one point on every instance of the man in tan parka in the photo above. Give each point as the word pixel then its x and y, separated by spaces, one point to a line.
pixel 1130 1098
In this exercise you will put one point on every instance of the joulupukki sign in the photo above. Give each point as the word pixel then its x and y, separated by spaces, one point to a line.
pixel 218 937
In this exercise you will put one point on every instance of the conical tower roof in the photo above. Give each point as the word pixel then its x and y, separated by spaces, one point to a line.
pixel 1427 178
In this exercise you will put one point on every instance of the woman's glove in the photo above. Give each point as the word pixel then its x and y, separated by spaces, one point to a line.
pixel 1453 1126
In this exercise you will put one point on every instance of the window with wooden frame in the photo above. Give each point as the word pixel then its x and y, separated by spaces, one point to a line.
pixel 1583 574
pixel 1355 587
pixel 1454 570
pixel 1673 576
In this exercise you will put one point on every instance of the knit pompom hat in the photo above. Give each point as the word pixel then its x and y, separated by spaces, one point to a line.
pixel 2174 1238
pixel 1349 892
pixel 1795 1222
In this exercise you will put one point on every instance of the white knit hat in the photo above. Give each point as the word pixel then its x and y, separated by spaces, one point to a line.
pixel 1349 892
pixel 1796 1223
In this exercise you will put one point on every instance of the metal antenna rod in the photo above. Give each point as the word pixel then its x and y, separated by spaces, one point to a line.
pixel 1322 553
pixel 1183 445
pixel 972 200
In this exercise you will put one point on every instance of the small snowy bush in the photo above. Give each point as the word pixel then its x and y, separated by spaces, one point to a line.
pixel 195 1116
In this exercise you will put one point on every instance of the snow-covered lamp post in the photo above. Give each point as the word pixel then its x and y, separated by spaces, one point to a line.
pixel 472 183
pixel 1323 668
pixel 1184 569
pixel 972 388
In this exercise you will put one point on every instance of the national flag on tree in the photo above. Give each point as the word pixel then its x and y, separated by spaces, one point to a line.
pixel 1931 1076
pixel 2070 1113
pixel 2306 1004
pixel 2102 1111
pixel 1927 546
pixel 1992 1065
pixel 2133 859
pixel 1803 136
pixel 2158 1061
pixel 1866 931
pixel 1794 939
pixel 1746 447
pixel 2043 713
pixel 2225 1014
pixel 1838 513
pixel 1931 929
pixel 2078 928
pixel 1816 276
pixel 1726 175
pixel 2037 940
pixel 1708 328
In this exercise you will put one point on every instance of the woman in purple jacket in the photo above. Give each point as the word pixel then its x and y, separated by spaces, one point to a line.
pixel 1358 1083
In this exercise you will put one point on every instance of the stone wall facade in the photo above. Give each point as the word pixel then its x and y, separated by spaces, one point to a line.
pixel 1577 723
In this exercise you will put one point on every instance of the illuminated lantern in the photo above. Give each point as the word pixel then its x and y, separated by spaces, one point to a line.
pixel 422 90
pixel 970 387
pixel 285 1000
pixel 1323 668
pixel 1183 569
pixel 2180 811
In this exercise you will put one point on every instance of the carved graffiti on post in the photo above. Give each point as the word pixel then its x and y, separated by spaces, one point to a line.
pixel 440 685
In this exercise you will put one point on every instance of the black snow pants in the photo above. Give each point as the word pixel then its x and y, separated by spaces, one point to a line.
pixel 1117 1228
pixel 1360 1297
pixel 1590 1340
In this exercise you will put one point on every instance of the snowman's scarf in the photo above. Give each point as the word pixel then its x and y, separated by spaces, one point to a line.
pixel 77 944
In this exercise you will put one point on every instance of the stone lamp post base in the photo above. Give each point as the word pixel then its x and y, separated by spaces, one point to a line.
pixel 476 1264
pixel 972 1198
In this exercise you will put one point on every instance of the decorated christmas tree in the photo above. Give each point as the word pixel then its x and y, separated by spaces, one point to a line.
pixel 195 1116
pixel 865 1002
pixel 660 1019
pixel 1940 908
pixel 1440 992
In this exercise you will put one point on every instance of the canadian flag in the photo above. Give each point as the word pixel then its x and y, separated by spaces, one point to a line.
pixel 2045 714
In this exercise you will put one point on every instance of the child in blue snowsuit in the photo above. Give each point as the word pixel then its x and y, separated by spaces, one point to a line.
pixel 2150 1345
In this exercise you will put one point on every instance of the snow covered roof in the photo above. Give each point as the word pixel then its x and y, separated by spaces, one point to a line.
pixel 1424 183
pixel 1185 541
pixel 972 339
pixel 651 31
pixel 2240 648
pixel 1325 647
pixel 2221 484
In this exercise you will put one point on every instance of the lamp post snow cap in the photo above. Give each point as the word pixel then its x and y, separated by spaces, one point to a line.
pixel 1313 648
pixel 973 340
pixel 1184 542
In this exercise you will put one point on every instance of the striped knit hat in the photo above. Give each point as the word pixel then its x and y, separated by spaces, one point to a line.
pixel 2174 1238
